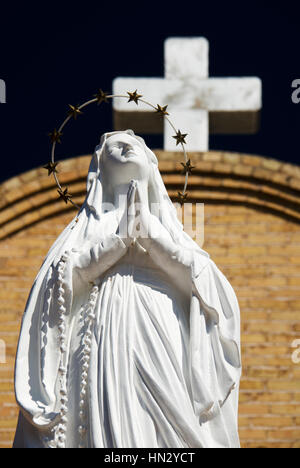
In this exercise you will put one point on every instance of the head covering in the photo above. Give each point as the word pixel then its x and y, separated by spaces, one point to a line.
pixel 91 218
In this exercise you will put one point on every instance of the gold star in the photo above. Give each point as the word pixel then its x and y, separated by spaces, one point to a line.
pixel 134 97
pixel 64 195
pixel 161 110
pixel 74 111
pixel 51 167
pixel 180 138
pixel 181 198
pixel 101 96
pixel 55 136
pixel 187 167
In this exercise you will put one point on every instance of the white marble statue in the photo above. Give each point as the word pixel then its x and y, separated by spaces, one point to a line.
pixel 130 337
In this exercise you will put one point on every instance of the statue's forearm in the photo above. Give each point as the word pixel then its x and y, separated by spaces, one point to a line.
pixel 166 253
pixel 95 260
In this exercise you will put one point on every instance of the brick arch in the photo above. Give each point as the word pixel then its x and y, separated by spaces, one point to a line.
pixel 252 232
pixel 229 178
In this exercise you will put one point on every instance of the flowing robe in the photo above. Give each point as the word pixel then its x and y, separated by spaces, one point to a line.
pixel 165 353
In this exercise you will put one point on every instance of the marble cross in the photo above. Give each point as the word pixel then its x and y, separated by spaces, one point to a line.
pixel 198 105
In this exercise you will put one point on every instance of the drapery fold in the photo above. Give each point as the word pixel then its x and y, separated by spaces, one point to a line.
pixel 213 343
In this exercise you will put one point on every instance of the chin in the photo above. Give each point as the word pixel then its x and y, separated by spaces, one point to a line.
pixel 137 171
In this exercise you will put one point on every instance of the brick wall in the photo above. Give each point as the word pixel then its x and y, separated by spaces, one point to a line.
pixel 252 232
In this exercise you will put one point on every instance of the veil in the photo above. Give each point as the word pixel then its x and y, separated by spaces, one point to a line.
pixel 157 194
pixel 91 217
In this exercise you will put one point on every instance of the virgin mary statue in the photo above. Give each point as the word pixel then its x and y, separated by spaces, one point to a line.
pixel 130 336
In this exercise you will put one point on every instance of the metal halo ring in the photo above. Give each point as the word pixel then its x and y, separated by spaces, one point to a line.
pixel 103 98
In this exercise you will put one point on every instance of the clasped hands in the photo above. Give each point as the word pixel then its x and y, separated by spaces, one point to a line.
pixel 137 222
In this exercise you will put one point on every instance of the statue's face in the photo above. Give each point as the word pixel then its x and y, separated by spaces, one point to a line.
pixel 124 159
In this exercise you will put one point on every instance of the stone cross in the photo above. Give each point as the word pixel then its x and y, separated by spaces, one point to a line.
pixel 197 105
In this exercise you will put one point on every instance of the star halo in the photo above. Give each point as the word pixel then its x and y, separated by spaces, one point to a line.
pixel 104 97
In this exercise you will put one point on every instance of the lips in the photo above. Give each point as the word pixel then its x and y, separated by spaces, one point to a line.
pixel 130 153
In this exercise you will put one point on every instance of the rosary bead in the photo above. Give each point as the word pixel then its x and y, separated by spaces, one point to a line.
pixel 87 340
pixel 61 300
pixel 62 327
pixel 61 429
pixel 64 400
pixel 85 366
pixel 63 410
pixel 81 430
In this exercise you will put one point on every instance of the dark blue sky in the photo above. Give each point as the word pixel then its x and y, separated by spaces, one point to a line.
pixel 56 53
